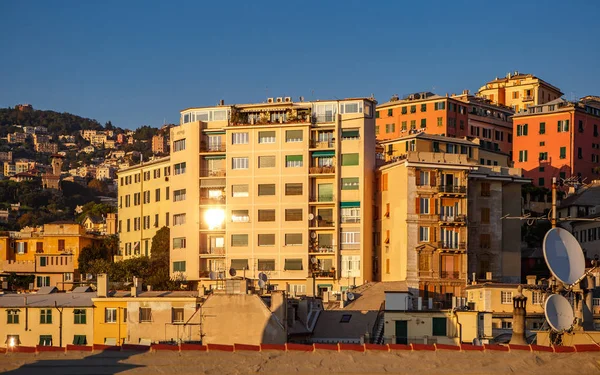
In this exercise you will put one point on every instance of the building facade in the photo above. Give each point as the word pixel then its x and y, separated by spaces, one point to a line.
pixel 144 205
pixel 160 144
pixel 558 139
pixel 280 187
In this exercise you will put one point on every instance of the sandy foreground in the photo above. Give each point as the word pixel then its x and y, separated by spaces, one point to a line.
pixel 440 362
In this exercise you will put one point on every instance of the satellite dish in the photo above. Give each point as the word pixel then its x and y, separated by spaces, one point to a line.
pixel 313 235
pixel 311 216
pixel 212 275
pixel 350 296
pixel 232 272
pixel 263 277
pixel 564 256
pixel 559 312
pixel 261 283
pixel 313 260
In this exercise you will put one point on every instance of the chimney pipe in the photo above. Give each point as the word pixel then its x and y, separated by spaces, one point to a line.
pixel 519 318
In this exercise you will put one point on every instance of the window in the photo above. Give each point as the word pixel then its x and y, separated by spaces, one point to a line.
pixel 266 215
pixel 157 195
pixel 266 161
pixel 485 189
pixel 239 264
pixel 424 107
pixel 542 128
pixel 413 125
pixel 423 178
pixel 563 126
pixel 522 130
pixel 239 163
pixel 179 219
pixel 43 261
pixel 45 340
pixel 390 128
pixel 536 298
pixel 293 214
pixel 145 314
pixel 178 195
pixel 424 206
pixel 239 138
pixel 293 239
pixel 349 159
pixel 266 137
pixel 350 237
pixel 179 145
pixel 179 243
pixel 376 114
pixel 179 266
pixel 350 183
pixel 404 110
pixel 179 168
pixel 439 105
pixel 438 327
pixel 266 239
pixel 506 297
pixel 266 189
pixel 266 264
pixel 350 214
pixel 293 265
pixel 579 153
pixel 351 107
pixel 239 240
pixel 413 109
pixel 239 190
pixel 45 316
pixel 80 316
pixel 293 136
pixel 423 123
pixel 485 215
pixel 423 234
pixel 177 315
pixel 12 316
pixel 523 155
pixel 240 216
pixel 350 266
pixel 21 248
pixel 293 189
pixel 563 152
pixel 293 161
pixel 403 126
pixel 506 325
pixel 390 112
pixel 79 340
pixel 147 196
pixel 543 156
pixel 43 281
pixel 541 181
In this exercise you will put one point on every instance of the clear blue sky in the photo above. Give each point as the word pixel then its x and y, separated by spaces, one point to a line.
pixel 140 62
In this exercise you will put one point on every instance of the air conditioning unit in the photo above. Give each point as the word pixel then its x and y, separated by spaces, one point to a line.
pixel 280 100
pixel 287 99
pixel 270 100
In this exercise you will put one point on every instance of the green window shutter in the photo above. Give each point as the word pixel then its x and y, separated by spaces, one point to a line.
pixel 423 123
pixel 566 125
pixel 439 327
pixel 325 192
pixel 349 204
pixel 376 114
pixel 293 158
pixel 350 183
pixel 323 154
pixel 349 159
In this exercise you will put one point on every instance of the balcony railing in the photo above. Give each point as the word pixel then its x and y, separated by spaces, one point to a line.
pixel 321 144
pixel 54 263
pixel 323 118
pixel 321 170
pixel 213 251
pixel 328 249
pixel 456 219
pixel 450 274
pixel 350 219
pixel 322 198
pixel 18 266
pixel 322 224
pixel 213 148
pixel 452 189
pixel 527 98
pixel 211 200
pixel 452 245
pixel 212 173
pixel 322 273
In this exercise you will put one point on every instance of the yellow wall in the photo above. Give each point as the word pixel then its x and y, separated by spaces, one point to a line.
pixel 103 330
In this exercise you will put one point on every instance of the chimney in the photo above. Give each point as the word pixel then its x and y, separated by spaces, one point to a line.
pixel 531 280
pixel 519 318
pixel 102 285
pixel 136 289
pixel 279 305
pixel 221 102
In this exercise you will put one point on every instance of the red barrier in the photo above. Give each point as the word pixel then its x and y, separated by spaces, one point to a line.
pixel 23 349
pixel 377 347
pixel 399 347
pixel 540 348
pixel 79 348
pixel 247 348
pixel 219 348
pixel 164 347
pixel 272 347
pixel 352 347
pixel 580 348
pixel 198 347
pixel 138 348
pixel 447 347
pixel 423 347
pixel 469 347
pixel 519 347
pixel 332 347
pixel 42 348
pixel 299 347
pixel 564 349
pixel 106 347
pixel 499 348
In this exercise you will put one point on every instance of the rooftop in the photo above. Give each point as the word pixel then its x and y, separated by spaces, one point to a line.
pixel 71 299
pixel 370 296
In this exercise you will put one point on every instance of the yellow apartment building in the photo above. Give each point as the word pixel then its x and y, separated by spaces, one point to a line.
pixel 284 188
pixel 144 205
pixel 519 91
pixel 49 252
pixel 47 318
pixel 440 216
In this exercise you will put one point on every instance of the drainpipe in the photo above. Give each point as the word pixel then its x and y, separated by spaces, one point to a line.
pixel 60 323
pixel 26 314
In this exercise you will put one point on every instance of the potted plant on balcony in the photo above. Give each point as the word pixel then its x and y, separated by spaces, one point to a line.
pixel 264 118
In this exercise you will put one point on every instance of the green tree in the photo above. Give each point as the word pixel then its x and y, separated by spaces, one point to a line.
pixel 160 262
pixel 91 253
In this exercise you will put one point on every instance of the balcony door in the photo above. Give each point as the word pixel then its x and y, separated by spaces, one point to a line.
pixel 214 142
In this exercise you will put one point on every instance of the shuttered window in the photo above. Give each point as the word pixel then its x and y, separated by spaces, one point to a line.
pixel 266 215
pixel 266 161
pixel 293 239
pixel 293 189
pixel 349 159
pixel 266 137
pixel 266 264
pixel 293 214
pixel 239 190
pixel 239 240
pixel 266 189
pixel 293 136
pixel 293 161
pixel 239 264
pixel 293 265
pixel 266 239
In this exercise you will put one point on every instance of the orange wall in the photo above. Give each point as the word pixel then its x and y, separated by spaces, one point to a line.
pixel 585 140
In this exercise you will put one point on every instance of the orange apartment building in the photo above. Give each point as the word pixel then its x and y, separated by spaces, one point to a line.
pixel 421 112
pixel 558 139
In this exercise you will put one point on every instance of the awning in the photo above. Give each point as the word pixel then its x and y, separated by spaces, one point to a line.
pixel 349 204
pixel 214 157
pixel 293 265
pixel 350 133
pixel 210 183
pixel 214 132
pixel 239 264
pixel 323 154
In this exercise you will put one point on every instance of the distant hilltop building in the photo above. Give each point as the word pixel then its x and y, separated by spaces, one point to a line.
pixel 52 180
pixel 160 143
pixel 24 107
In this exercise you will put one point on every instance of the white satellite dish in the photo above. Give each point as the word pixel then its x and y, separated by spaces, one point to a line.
pixel 313 260
pixel 559 313
pixel 311 216
pixel 261 283
pixel 350 296
pixel 263 277
pixel 212 275
pixel 232 272
pixel 564 256
pixel 313 235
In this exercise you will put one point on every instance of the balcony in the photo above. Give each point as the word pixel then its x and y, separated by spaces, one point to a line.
pixel 428 217
pixel 321 144
pixel 451 245
pixel 450 275
pixel 452 189
pixel 25 266
pixel 322 274
pixel 322 224
pixel 213 173
pixel 322 170
pixel 453 219
pixel 527 98
pixel 213 148
pixel 326 249
pixel 212 200
pixel 325 198
pixel 350 219
pixel 213 251
pixel 316 119
pixel 54 263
